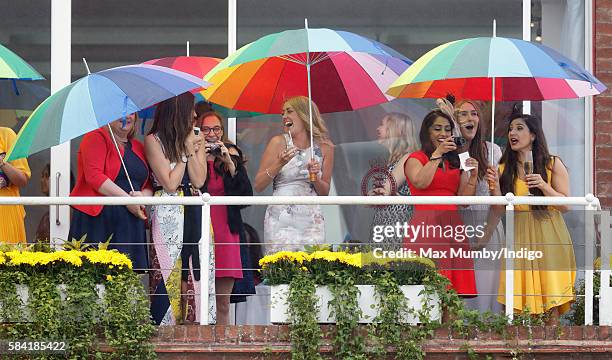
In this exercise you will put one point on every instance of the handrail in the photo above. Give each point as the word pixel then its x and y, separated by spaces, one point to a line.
pixel 589 201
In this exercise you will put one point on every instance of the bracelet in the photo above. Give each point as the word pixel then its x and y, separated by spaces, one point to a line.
pixel 435 158
pixel 268 173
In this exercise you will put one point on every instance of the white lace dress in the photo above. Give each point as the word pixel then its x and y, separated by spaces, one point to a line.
pixel 291 227
pixel 486 270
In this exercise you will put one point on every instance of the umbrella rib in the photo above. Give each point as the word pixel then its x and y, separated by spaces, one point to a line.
pixel 292 59
pixel 325 56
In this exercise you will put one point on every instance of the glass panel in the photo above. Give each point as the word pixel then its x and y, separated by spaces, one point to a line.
pixel 560 25
pixel 412 28
pixel 26 30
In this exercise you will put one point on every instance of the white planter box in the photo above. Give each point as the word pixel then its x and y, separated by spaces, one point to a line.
pixel 368 303
pixel 23 292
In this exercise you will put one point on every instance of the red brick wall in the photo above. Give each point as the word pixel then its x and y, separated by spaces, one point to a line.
pixel 603 103
pixel 271 342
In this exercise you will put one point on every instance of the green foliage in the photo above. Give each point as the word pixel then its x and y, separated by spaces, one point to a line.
pixel 387 331
pixel 305 332
pixel 349 344
pixel 64 305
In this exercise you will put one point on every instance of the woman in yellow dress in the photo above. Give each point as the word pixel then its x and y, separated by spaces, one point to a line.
pixel 13 175
pixel 545 284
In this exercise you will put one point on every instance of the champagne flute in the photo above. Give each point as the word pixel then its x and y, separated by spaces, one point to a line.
pixel 528 167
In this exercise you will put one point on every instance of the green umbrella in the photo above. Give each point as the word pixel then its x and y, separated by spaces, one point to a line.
pixel 14 67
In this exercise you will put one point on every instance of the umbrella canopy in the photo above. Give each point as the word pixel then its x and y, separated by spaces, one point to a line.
pixel 21 95
pixel 14 67
pixel 17 100
pixel 96 100
pixel 522 71
pixel 347 72
pixel 197 66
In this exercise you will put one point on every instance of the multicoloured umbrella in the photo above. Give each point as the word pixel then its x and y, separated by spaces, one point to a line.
pixel 348 72
pixel 522 71
pixel 197 66
pixel 14 67
pixel 338 70
pixel 497 69
pixel 96 100
pixel 17 100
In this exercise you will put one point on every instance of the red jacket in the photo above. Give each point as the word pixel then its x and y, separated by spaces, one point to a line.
pixel 98 161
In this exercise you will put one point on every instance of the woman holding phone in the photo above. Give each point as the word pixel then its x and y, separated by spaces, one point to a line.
pixel 176 157
pixel 225 175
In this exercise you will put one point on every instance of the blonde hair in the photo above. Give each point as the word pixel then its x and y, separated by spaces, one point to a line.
pixel 402 137
pixel 300 106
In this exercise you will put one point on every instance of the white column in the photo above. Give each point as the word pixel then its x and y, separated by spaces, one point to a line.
pixel 231 48
pixel 589 257
pixel 204 250
pixel 605 289
pixel 527 37
pixel 509 261
pixel 61 15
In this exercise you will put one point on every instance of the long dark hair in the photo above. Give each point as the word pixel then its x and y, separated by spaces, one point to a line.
pixel 172 123
pixel 539 150
pixel 427 146
pixel 478 148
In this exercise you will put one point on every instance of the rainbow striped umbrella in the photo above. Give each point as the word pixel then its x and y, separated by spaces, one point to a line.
pixel 522 71
pixel 95 100
pixel 197 66
pixel 495 68
pixel 14 67
pixel 346 72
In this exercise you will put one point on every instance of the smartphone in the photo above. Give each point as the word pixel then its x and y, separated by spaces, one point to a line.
pixel 196 130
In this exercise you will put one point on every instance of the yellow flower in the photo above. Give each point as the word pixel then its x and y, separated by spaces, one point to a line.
pixel 109 278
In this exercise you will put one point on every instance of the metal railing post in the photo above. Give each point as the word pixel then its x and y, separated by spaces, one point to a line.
pixel 509 261
pixel 605 288
pixel 204 250
pixel 589 236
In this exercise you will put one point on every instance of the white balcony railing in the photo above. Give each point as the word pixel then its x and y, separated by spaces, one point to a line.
pixel 589 202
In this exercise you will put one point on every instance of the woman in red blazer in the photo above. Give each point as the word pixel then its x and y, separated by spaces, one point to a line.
pixel 100 173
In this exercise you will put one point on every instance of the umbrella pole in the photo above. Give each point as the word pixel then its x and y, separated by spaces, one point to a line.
pixel 491 160
pixel 313 176
pixel 493 107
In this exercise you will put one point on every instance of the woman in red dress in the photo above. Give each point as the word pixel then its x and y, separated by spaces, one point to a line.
pixel 434 171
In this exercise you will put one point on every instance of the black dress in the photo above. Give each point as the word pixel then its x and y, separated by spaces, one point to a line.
pixel 128 232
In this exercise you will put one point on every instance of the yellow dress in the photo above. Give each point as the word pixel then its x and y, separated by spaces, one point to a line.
pixel 12 217
pixel 548 282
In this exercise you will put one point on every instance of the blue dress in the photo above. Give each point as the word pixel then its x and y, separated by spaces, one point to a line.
pixel 129 234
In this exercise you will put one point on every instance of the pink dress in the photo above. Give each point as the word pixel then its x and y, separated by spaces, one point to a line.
pixel 227 245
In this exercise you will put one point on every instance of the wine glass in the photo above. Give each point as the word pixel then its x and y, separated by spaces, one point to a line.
pixel 528 167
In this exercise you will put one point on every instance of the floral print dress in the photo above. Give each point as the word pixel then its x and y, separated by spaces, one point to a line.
pixel 291 227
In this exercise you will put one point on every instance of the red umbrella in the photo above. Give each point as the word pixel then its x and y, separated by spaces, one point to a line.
pixel 195 65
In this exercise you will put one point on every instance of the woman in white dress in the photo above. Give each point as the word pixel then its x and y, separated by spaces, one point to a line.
pixel 286 164
pixel 467 114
